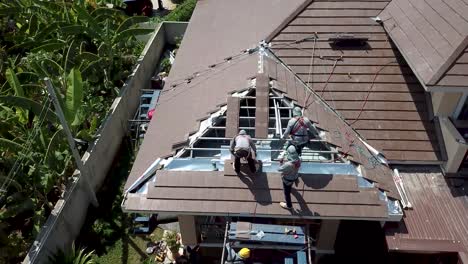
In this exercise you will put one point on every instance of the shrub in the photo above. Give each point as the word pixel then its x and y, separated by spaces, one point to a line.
pixel 182 12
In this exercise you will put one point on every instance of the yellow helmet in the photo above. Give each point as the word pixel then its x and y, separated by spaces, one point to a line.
pixel 244 253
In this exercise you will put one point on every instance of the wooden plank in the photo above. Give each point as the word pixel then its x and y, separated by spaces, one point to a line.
pixel 355 78
pixel 386 97
pixel 289 37
pixel 401 125
pixel 327 29
pixel 346 21
pixel 349 5
pixel 417 61
pixel 272 181
pixel 343 69
pixel 453 80
pixel 369 197
pixel 262 106
pixel 402 145
pixel 463 58
pixel 250 208
pixel 432 36
pixel 232 116
pixel 378 87
pixel 412 155
pixel 385 115
pixel 397 135
pixel 460 8
pixel 428 53
pixel 440 16
pixel 459 69
pixel 339 13
pixel 426 245
pixel 377 105
pixel 348 61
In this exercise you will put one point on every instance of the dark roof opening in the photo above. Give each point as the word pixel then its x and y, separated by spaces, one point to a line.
pixel 348 41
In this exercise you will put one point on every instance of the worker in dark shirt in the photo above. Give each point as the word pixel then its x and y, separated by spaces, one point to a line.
pixel 301 130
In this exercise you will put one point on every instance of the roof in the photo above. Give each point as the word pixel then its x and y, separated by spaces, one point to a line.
pixel 433 37
pixel 439 218
pixel 217 29
pixel 189 186
pixel 372 87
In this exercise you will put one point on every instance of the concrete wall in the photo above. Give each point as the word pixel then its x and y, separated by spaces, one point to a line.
pixel 455 145
pixel 69 214
pixel 444 104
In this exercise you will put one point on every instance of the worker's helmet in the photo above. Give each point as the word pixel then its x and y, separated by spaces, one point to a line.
pixel 297 111
pixel 244 253
pixel 292 153
pixel 242 132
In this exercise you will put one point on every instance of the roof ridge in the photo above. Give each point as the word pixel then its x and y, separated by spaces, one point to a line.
pixel 288 19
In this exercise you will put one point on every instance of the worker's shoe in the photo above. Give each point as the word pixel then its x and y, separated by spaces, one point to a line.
pixel 285 206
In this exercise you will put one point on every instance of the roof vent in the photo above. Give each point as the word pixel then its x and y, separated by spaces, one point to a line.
pixel 348 41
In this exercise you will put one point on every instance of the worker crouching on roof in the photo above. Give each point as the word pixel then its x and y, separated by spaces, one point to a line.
pixel 300 129
pixel 236 258
pixel 242 146
pixel 289 174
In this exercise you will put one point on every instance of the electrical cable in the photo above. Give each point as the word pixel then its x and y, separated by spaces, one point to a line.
pixel 188 88
pixel 196 74
pixel 369 92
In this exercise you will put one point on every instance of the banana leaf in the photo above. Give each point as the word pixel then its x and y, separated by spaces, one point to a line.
pixel 51 46
pixel 28 104
pixel 131 32
pixel 14 82
pixel 130 22
pixel 74 96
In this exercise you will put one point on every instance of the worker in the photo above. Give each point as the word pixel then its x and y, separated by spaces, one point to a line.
pixel 236 258
pixel 139 7
pixel 301 130
pixel 289 174
pixel 242 146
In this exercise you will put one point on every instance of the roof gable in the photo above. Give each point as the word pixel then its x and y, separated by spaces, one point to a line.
pixel 431 35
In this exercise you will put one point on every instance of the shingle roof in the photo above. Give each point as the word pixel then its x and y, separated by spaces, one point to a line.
pixel 212 193
pixel 433 36
pixel 395 116
pixel 217 29
pixel 438 220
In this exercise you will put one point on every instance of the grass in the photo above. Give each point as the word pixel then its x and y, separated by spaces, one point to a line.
pixel 128 249
pixel 107 228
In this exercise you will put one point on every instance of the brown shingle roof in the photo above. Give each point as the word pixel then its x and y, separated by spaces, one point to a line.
pixel 395 118
pixel 217 29
pixel 211 193
pixel 432 35
pixel 439 218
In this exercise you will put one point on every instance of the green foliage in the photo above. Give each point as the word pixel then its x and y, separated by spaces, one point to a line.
pixel 182 12
pixel 165 65
pixel 73 256
pixel 171 240
pixel 87 51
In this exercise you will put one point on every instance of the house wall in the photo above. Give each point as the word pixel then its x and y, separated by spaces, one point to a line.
pixel 455 145
pixel 444 104
pixel 188 229
pixel 327 236
pixel 69 214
